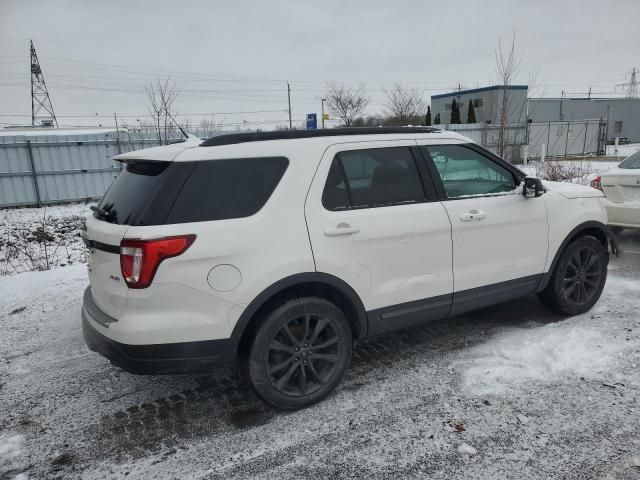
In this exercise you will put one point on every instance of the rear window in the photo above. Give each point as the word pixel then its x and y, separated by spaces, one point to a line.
pixel 157 193
pixel 632 162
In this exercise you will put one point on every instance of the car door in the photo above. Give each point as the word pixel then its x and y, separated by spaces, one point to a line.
pixel 500 237
pixel 374 221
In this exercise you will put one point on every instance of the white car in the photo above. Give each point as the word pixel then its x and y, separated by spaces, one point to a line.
pixel 279 249
pixel 621 186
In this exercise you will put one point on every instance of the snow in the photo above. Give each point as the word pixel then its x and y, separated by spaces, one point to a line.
pixel 623 150
pixel 10 452
pixel 591 168
pixel 37 238
pixel 466 448
pixel 571 349
pixel 510 391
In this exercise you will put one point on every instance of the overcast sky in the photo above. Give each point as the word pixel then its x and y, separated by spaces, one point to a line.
pixel 236 56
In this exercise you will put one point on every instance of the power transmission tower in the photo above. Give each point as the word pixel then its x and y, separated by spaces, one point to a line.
pixel 631 85
pixel 40 99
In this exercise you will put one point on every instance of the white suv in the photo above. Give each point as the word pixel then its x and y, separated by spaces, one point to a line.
pixel 279 249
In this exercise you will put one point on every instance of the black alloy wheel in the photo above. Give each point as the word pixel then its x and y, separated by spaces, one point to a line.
pixel 303 355
pixel 299 352
pixel 578 278
pixel 583 275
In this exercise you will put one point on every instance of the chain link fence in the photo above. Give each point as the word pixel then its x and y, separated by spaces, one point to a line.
pixel 534 140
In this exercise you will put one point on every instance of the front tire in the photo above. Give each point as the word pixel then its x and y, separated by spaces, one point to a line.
pixel 299 353
pixel 579 277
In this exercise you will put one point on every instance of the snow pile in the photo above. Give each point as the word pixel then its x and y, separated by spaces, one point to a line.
pixel 33 239
pixel 551 352
pixel 623 150
pixel 10 453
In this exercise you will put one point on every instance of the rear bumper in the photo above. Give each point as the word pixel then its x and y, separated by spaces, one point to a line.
pixel 622 215
pixel 152 359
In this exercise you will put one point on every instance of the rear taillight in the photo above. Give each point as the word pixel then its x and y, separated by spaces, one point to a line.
pixel 597 183
pixel 139 259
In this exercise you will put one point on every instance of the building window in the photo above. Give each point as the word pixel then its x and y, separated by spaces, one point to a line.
pixel 478 102
pixel 617 127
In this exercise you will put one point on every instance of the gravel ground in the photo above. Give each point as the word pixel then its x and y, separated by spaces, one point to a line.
pixel 511 391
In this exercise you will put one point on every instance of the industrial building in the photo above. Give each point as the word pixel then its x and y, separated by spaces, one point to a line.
pixel 487 103
pixel 621 114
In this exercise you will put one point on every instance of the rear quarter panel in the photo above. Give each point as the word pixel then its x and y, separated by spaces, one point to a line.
pixel 264 248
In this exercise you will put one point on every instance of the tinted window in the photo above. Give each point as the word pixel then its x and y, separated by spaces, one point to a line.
pixel 466 172
pixel 335 195
pixel 374 178
pixel 222 189
pixel 143 192
pixel 155 193
pixel 632 162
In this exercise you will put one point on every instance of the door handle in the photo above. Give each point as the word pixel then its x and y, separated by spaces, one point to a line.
pixel 341 229
pixel 473 215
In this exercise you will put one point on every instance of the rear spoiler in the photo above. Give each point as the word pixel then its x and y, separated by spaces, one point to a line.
pixel 166 153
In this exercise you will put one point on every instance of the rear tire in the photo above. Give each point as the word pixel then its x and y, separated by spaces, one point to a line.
pixel 299 353
pixel 579 277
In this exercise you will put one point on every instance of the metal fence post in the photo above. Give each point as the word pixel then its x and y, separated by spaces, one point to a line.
pixel 549 135
pixel 584 144
pixel 566 141
pixel 33 174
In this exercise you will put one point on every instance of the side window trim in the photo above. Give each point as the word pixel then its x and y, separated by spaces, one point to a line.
pixel 424 175
pixel 518 176
pixel 338 159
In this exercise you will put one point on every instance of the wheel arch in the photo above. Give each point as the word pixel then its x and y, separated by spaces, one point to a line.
pixel 593 228
pixel 302 284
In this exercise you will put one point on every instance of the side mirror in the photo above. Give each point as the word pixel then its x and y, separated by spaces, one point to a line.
pixel 532 187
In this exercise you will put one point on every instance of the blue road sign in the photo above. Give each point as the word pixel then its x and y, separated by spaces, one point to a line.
pixel 312 121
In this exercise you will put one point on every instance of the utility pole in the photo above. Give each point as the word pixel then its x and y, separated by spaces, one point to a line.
pixel 289 97
pixel 323 100
pixel 40 99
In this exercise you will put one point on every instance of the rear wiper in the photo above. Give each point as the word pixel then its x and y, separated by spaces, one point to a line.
pixel 101 212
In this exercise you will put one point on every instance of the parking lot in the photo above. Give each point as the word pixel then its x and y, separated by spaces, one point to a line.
pixel 511 391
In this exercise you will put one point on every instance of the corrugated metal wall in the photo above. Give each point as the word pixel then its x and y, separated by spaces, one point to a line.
pixel 43 169
pixel 40 169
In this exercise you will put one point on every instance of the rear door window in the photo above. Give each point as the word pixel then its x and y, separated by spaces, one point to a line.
pixel 373 178
pixel 157 193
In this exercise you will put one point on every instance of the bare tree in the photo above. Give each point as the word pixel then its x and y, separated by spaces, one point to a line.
pixel 209 126
pixel 346 103
pixel 507 66
pixel 161 96
pixel 405 105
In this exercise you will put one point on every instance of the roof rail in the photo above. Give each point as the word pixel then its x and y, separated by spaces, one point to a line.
pixel 232 138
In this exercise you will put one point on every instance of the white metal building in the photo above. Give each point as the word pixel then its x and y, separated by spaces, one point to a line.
pixel 487 103
pixel 621 114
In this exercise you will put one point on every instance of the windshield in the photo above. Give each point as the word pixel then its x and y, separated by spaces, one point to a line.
pixel 632 162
